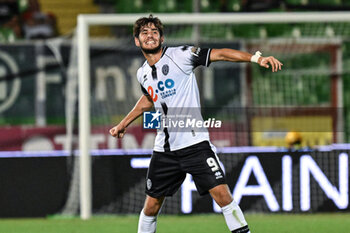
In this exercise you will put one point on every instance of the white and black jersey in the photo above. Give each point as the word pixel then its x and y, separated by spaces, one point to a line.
pixel 171 83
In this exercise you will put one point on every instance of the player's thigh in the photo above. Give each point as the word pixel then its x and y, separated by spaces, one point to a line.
pixel 164 176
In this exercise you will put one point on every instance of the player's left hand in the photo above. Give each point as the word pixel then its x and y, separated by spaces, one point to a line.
pixel 267 61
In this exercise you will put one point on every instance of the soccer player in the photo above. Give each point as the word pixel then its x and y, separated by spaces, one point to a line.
pixel 168 81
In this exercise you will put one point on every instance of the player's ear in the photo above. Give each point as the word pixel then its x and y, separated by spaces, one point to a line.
pixel 137 41
pixel 162 39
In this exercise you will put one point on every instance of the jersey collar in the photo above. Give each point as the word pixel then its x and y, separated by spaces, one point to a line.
pixel 164 49
pixel 163 52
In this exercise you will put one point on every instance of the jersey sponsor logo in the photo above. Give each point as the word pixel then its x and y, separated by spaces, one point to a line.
pixel 151 93
pixel 169 83
pixel 165 69
pixel 164 89
pixel 151 120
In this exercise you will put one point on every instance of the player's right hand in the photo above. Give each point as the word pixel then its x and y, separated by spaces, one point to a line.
pixel 118 131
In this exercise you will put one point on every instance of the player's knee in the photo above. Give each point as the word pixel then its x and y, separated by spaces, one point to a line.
pixel 221 195
pixel 151 211
pixel 224 200
pixel 152 206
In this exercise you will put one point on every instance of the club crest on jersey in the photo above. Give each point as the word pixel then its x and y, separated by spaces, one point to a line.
pixel 165 69
pixel 195 51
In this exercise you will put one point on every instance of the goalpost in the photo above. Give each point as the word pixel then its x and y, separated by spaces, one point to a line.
pixel 83 44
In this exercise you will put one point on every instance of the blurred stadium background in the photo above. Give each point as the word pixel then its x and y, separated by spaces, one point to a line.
pixel 289 131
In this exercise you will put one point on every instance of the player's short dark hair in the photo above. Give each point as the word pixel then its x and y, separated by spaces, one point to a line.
pixel 145 21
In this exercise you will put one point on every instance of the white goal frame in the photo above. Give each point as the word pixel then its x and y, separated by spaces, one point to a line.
pixel 87 20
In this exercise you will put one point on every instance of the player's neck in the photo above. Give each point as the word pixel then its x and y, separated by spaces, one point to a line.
pixel 153 58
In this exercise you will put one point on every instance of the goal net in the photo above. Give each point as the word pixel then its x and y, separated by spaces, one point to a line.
pixel 256 106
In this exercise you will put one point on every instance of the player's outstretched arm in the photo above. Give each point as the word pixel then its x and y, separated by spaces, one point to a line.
pixel 143 104
pixel 241 56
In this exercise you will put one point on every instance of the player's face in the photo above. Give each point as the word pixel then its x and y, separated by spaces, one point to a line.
pixel 149 39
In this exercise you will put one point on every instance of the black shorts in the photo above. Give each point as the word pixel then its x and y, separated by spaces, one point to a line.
pixel 167 170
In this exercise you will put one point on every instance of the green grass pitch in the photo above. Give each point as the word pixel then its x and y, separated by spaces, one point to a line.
pixel 212 223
